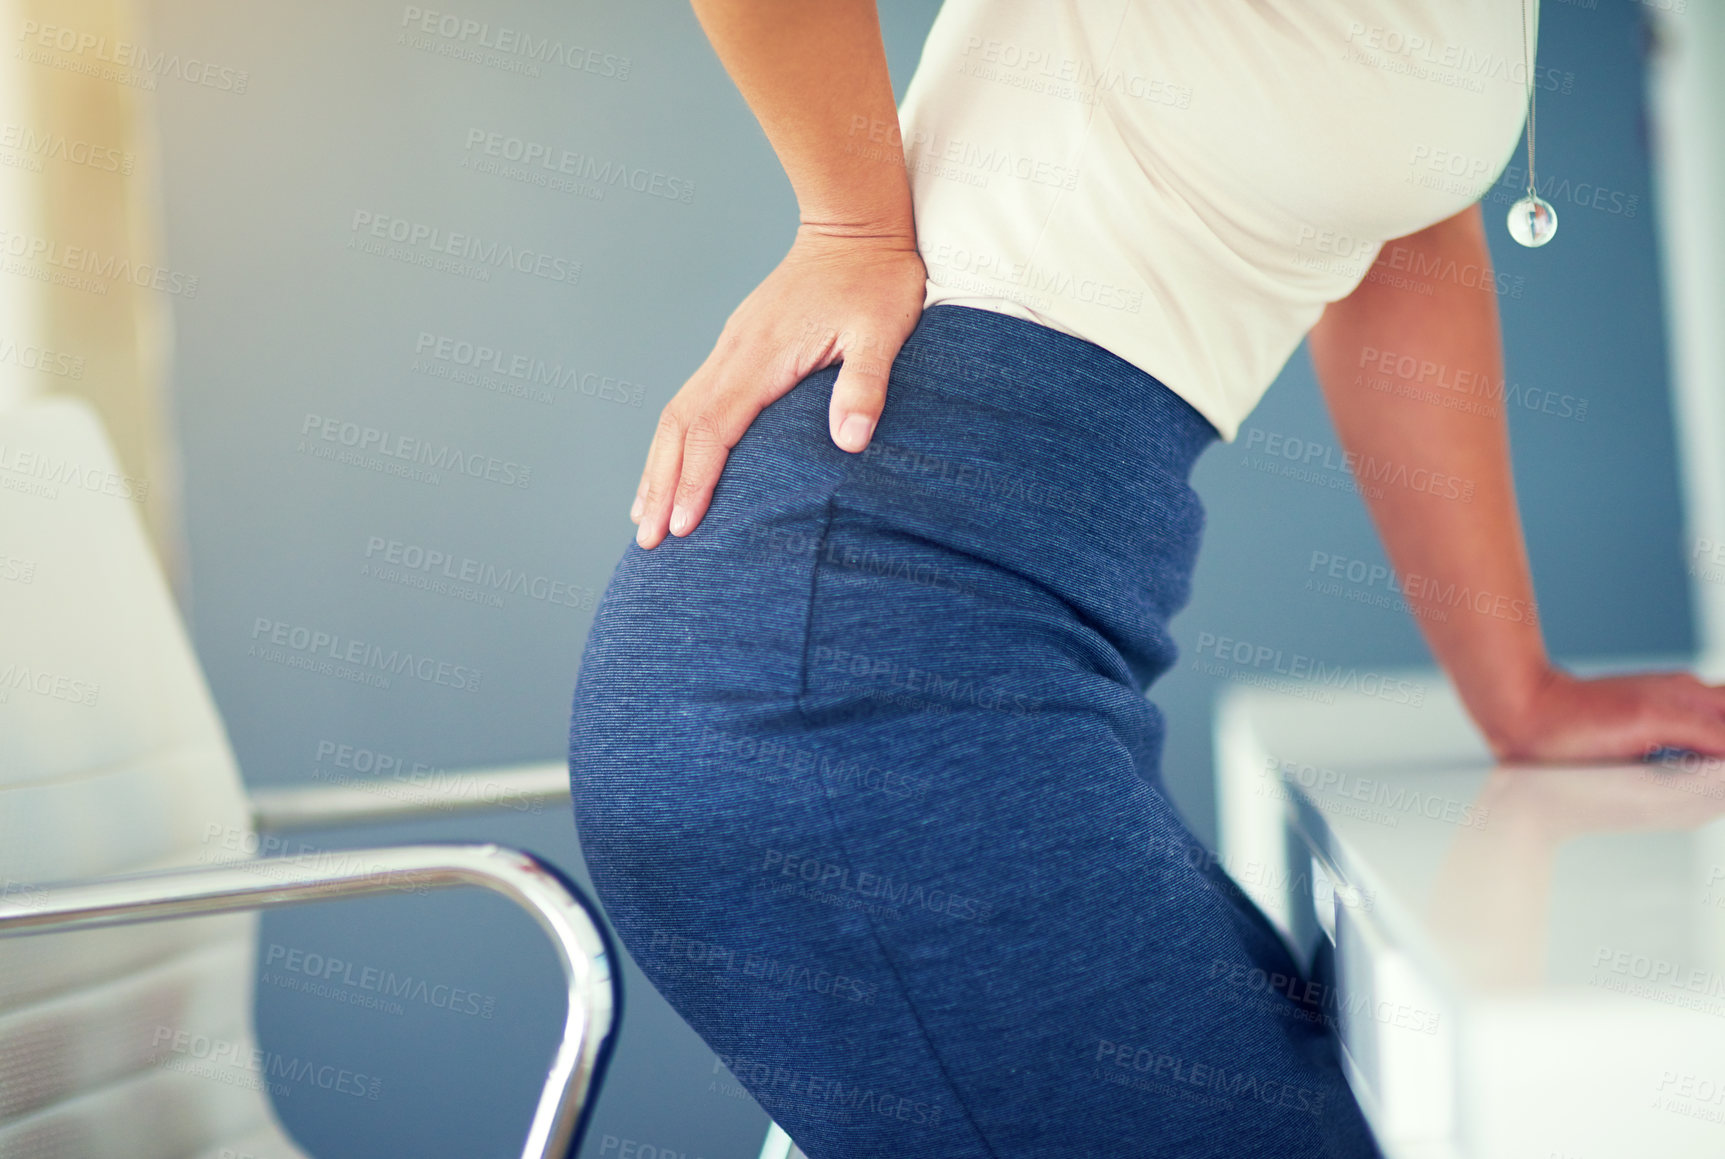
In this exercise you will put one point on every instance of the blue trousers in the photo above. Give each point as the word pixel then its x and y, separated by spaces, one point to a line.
pixel 868 783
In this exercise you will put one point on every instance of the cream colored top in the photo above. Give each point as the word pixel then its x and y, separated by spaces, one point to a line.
pixel 1187 183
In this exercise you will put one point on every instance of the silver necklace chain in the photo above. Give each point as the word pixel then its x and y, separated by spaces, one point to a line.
pixel 1532 96
pixel 1532 221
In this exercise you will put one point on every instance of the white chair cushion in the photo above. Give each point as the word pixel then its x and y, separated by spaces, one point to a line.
pixel 112 760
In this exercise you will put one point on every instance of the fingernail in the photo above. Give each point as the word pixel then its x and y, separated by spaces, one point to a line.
pixel 641 535
pixel 854 432
pixel 636 508
pixel 679 520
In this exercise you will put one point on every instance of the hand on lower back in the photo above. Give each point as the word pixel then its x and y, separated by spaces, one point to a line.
pixel 834 297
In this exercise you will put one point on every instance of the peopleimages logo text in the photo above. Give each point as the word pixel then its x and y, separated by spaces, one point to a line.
pixel 515 42
pixel 123 54
pixel 1301 667
pixel 341 649
pixel 437 456
pixel 418 235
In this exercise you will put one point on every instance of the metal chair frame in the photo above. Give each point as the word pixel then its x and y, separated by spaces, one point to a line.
pixel 583 947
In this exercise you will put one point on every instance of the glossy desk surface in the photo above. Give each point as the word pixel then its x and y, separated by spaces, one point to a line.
pixel 1531 960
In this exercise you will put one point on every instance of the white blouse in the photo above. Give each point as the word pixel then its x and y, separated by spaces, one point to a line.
pixel 1187 183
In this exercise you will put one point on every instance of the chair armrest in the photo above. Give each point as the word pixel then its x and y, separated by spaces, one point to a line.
pixel 363 800
pixel 582 945
pixel 777 1144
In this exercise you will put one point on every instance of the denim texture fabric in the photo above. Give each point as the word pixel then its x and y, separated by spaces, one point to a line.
pixel 868 783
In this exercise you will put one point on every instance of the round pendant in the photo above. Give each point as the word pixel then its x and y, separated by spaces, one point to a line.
pixel 1532 221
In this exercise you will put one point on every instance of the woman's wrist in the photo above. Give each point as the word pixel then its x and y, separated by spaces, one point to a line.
pixel 1506 706
pixel 886 217
pixel 887 229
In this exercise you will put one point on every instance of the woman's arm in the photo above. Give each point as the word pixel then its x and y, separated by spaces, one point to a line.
pixel 1439 487
pixel 814 73
pixel 807 71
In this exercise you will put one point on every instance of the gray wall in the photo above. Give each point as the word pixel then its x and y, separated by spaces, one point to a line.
pixel 346 113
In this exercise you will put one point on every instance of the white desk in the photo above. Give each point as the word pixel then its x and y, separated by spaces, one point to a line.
pixel 1530 961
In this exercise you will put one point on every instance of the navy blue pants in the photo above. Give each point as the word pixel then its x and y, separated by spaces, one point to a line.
pixel 868 784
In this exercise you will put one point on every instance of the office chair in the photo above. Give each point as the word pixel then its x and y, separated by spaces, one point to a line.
pixel 778 1145
pixel 132 861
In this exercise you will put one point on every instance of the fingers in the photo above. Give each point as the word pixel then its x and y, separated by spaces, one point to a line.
pixel 1684 696
pixel 1698 732
pixel 859 395
pixel 1709 697
pixel 698 428
pixel 707 444
pixel 659 477
pixel 696 432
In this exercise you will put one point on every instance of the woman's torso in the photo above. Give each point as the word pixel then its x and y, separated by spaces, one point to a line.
pixel 1187 183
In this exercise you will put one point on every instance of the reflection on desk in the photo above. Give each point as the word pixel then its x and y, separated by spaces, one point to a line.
pixel 1530 961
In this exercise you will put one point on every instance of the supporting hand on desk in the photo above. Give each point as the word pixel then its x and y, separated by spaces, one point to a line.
pixel 1614 718
pixel 1458 548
